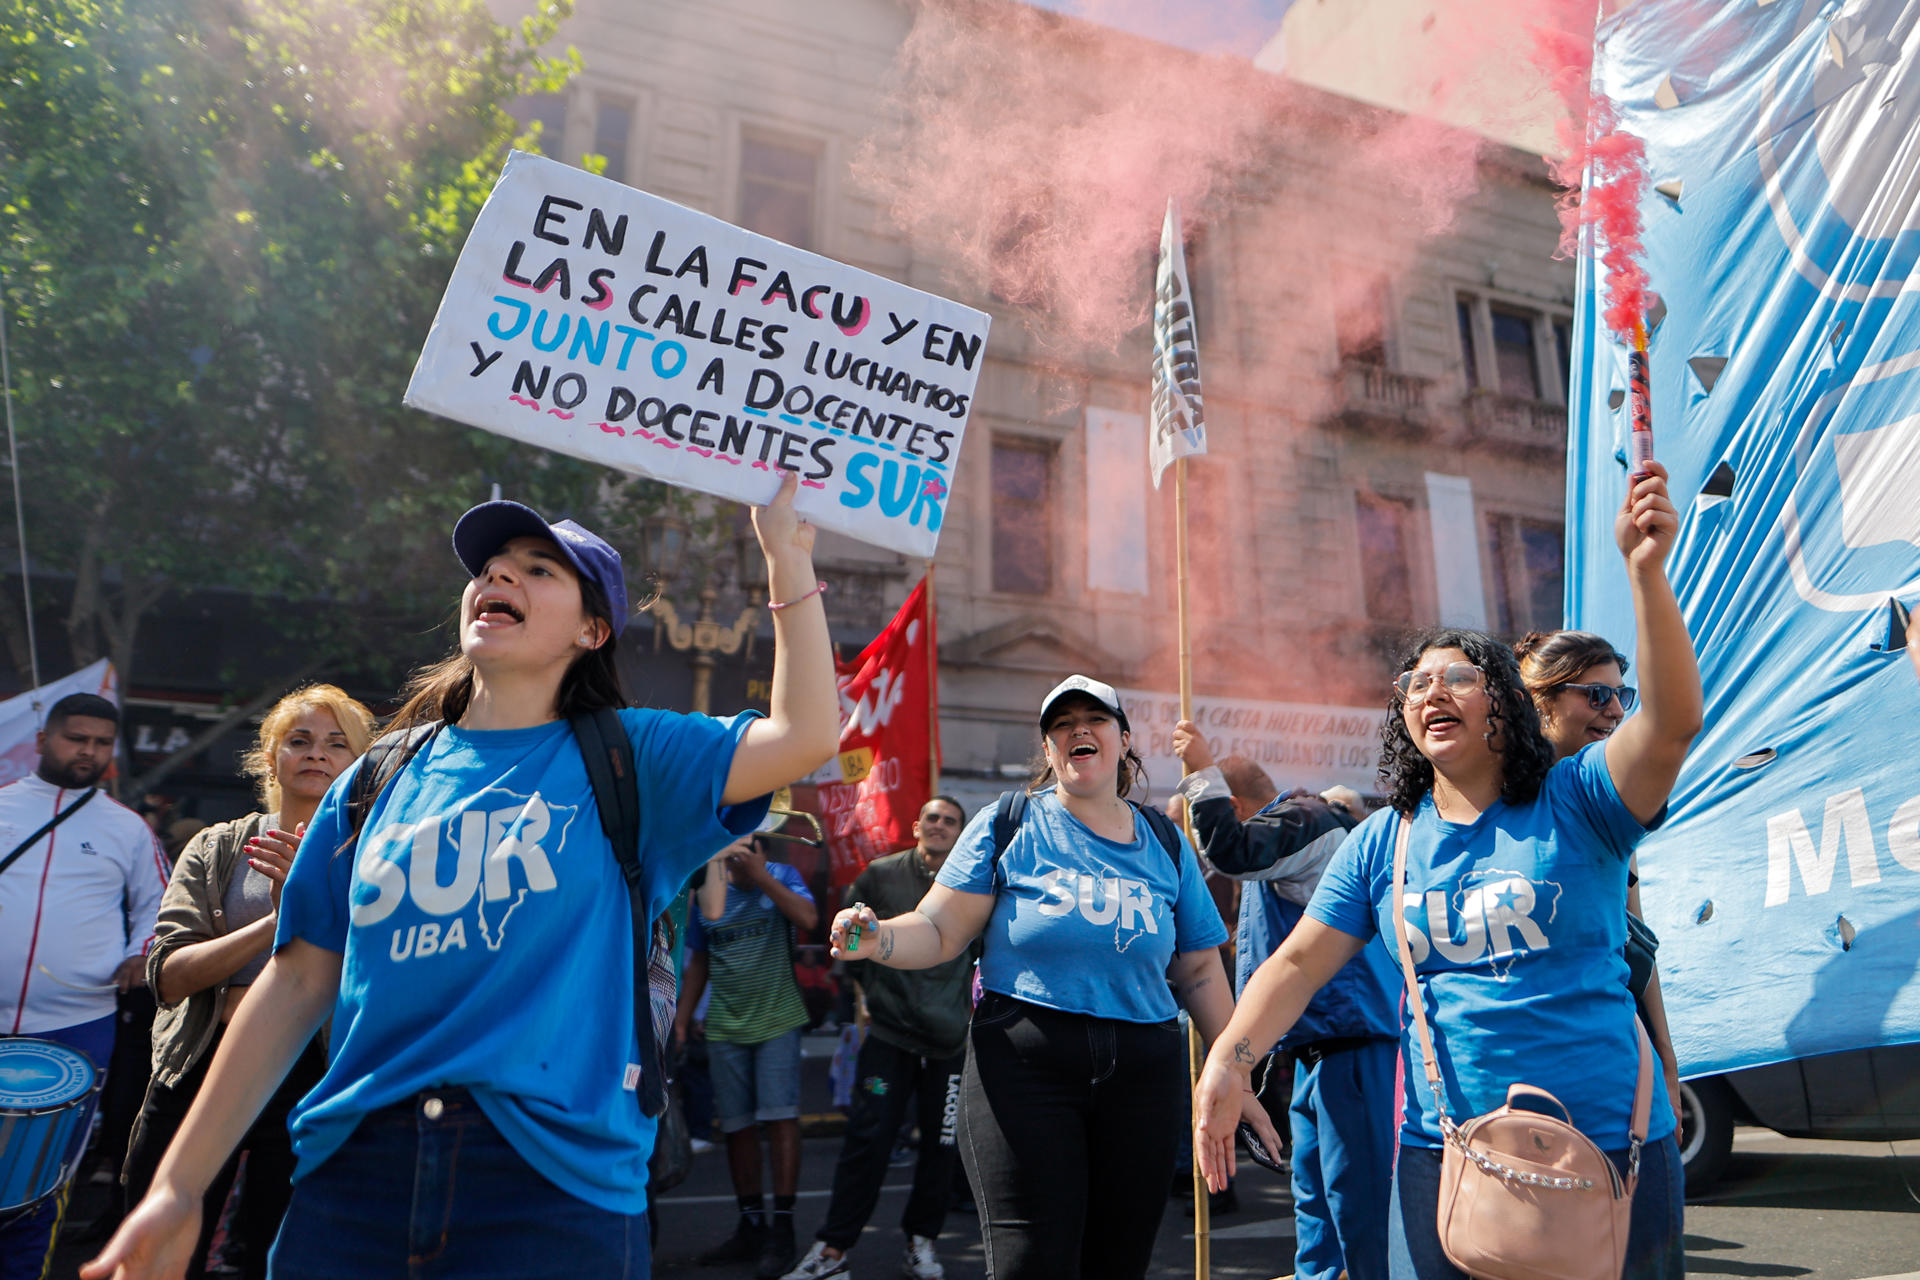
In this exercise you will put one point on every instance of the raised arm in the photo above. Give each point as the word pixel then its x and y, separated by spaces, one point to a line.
pixel 1275 997
pixel 934 932
pixel 293 997
pixel 1644 755
pixel 802 729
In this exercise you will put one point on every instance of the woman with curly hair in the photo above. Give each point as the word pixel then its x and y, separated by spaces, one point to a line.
pixel 1514 908
pixel 1579 685
pixel 211 944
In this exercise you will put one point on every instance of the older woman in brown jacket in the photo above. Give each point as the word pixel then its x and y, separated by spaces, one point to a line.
pixel 214 935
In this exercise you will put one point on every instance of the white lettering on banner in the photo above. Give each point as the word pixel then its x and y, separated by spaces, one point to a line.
pixel 1845 822
pixel 1300 745
pixel 612 325
pixel 406 860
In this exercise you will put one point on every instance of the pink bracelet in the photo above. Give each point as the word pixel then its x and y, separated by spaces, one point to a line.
pixel 777 606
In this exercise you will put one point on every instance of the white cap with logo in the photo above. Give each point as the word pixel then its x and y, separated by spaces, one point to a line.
pixel 1100 692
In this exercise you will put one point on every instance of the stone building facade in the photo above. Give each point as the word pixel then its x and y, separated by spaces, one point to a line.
pixel 1368 473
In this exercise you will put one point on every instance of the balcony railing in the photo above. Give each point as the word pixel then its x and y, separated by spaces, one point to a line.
pixel 1372 396
pixel 1512 421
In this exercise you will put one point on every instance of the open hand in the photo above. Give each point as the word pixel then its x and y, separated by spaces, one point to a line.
pixel 271 854
pixel 155 1242
pixel 1646 524
pixel 1219 1103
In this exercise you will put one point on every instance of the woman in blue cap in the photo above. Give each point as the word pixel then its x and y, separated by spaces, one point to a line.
pixel 473 946
pixel 1074 1091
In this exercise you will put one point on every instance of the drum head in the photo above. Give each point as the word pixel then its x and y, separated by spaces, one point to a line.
pixel 37 1074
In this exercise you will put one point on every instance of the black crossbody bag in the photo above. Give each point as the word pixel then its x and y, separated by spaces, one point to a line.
pixel 51 823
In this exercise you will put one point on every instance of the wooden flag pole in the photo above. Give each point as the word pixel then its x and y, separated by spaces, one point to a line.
pixel 1202 1219
pixel 933 694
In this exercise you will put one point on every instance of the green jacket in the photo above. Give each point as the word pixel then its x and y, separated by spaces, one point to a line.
pixel 191 912
pixel 922 1011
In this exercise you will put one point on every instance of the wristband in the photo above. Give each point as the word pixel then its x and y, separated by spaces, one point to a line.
pixel 776 606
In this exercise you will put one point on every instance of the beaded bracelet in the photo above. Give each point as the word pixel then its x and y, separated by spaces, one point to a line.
pixel 777 606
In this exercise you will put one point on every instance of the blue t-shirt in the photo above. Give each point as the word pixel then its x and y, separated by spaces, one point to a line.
pixel 488 942
pixel 755 995
pixel 1080 922
pixel 1525 981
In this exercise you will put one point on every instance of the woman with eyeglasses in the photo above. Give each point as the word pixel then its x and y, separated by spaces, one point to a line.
pixel 1578 683
pixel 1514 907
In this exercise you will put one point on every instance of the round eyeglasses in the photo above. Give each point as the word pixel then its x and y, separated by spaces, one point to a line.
pixel 1461 678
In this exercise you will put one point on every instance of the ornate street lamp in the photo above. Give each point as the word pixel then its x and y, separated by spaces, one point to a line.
pixel 664 542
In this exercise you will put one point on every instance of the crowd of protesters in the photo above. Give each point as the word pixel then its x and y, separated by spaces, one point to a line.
pixel 409 996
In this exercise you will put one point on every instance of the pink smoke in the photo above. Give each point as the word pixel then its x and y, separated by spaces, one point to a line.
pixel 1613 165
pixel 1036 153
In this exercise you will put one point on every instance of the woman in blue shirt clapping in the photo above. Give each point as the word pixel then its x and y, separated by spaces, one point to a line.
pixel 1074 1091
pixel 473 944
pixel 1514 906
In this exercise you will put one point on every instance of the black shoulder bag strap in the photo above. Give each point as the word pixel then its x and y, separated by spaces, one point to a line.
pixel 1164 830
pixel 380 765
pixel 1012 811
pixel 51 823
pixel 608 754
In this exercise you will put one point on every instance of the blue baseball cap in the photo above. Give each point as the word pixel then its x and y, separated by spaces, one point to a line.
pixel 480 533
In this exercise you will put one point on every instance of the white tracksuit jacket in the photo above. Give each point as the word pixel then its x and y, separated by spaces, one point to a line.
pixel 73 907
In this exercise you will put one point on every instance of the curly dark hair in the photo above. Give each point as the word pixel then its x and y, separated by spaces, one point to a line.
pixel 1513 726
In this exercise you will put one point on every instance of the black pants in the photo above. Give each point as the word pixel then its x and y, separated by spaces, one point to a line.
pixel 1069 1127
pixel 267 1145
pixel 884 1077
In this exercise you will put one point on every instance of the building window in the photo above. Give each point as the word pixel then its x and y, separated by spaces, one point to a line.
pixel 1515 363
pixel 777 182
pixel 1469 352
pixel 1360 323
pixel 612 127
pixel 1527 557
pixel 1022 516
pixel 1563 351
pixel 1386 561
pixel 549 111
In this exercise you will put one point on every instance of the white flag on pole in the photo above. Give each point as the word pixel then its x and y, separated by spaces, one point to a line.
pixel 1179 425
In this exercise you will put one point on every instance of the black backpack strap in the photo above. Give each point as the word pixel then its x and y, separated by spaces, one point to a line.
pixel 50 824
pixel 380 765
pixel 1008 814
pixel 1164 830
pixel 608 754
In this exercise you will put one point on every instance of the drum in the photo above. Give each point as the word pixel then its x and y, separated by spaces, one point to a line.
pixel 48 1094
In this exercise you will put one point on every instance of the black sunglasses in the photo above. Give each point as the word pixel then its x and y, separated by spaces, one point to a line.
pixel 1599 695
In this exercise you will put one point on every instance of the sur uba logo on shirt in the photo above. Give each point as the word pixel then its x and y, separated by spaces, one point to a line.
pixel 1495 914
pixel 1125 903
pixel 405 862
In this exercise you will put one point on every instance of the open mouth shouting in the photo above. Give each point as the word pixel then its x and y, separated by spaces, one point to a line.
pixel 1083 751
pixel 1440 724
pixel 496 611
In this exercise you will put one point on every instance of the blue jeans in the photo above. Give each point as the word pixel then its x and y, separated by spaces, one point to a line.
pixel 1656 1248
pixel 1342 1120
pixel 755 1083
pixel 26 1244
pixel 415 1195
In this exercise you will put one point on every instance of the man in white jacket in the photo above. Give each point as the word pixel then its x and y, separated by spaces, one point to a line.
pixel 77 908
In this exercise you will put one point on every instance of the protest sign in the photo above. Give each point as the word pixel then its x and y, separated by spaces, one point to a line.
pixel 1299 745
pixel 602 322
pixel 23 715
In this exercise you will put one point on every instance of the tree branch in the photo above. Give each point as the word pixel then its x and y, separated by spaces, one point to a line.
pixel 153 777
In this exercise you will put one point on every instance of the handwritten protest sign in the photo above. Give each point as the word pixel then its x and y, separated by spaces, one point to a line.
pixel 602 322
pixel 1299 745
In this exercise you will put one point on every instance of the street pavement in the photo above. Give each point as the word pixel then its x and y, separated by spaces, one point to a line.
pixel 1787 1208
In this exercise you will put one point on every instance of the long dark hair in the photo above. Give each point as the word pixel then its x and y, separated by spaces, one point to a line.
pixel 1513 726
pixel 441 690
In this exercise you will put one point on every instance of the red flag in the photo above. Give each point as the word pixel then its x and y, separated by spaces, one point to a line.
pixel 870 796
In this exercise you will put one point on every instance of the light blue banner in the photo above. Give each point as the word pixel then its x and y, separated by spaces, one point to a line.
pixel 1783 137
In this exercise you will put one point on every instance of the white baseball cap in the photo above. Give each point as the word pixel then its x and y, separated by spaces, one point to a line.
pixel 1102 693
